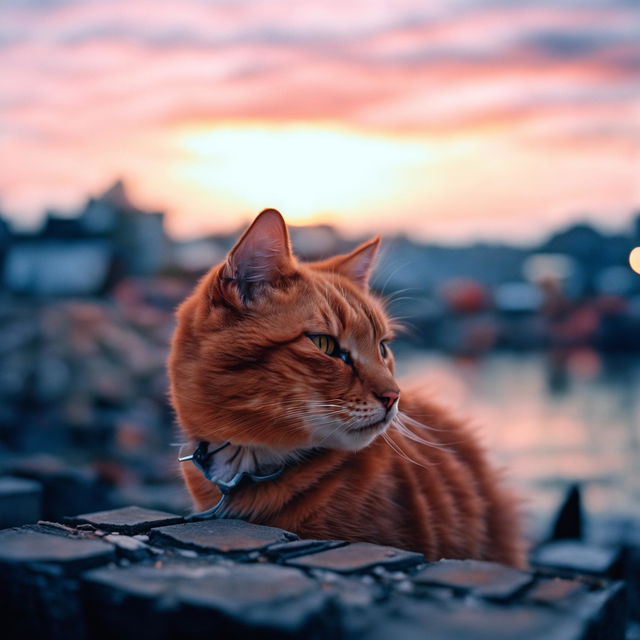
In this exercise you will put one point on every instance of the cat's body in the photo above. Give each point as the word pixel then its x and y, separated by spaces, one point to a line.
pixel 289 363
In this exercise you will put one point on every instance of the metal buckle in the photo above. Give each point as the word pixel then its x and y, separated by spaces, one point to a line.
pixel 202 459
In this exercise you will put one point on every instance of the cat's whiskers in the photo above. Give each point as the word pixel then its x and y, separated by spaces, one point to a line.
pixel 216 421
pixel 403 454
pixel 400 265
pixel 420 425
pixel 410 435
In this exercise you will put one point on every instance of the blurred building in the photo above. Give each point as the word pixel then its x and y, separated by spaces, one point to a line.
pixel 83 255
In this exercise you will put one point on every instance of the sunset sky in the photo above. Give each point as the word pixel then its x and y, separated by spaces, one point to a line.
pixel 454 120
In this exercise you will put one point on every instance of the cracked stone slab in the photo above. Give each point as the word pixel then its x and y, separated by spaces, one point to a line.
pixel 222 536
pixel 27 547
pixel 128 520
pixel 286 550
pixel 358 557
pixel 484 579
pixel 228 598
pixel 259 596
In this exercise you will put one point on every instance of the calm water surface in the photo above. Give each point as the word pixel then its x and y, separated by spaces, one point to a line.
pixel 585 430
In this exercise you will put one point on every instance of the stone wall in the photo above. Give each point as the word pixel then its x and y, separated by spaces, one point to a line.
pixel 137 573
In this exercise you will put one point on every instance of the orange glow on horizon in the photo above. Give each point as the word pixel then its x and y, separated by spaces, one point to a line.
pixel 306 170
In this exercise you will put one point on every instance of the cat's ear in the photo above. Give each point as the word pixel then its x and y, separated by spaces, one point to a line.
pixel 261 256
pixel 358 264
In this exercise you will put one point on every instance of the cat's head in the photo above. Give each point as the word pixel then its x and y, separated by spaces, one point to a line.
pixel 273 352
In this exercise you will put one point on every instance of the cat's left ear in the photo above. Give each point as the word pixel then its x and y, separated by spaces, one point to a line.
pixel 358 264
pixel 261 256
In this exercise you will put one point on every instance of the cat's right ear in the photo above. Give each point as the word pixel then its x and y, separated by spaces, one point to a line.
pixel 261 257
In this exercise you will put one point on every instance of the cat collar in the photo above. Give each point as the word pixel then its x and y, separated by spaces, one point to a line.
pixel 202 458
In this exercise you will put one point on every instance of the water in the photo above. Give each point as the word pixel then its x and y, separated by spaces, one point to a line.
pixel 547 433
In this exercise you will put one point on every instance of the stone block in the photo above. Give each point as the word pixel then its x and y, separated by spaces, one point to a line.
pixel 26 548
pixel 39 582
pixel 604 612
pixel 359 557
pixel 555 592
pixel 128 520
pixel 482 579
pixel 20 501
pixel 257 601
pixel 65 489
pixel 576 557
pixel 286 550
pixel 221 536
pixel 182 599
pixel 417 620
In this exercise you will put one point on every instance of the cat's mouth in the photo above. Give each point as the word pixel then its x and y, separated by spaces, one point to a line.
pixel 352 437
pixel 370 428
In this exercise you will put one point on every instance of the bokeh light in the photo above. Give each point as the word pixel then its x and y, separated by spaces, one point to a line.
pixel 634 259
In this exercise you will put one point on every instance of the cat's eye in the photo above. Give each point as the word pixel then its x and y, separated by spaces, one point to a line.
pixel 326 344
pixel 383 350
pixel 329 345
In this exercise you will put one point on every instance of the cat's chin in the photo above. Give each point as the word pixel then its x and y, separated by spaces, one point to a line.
pixel 356 438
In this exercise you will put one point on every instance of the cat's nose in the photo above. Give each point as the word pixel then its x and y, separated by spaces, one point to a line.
pixel 387 398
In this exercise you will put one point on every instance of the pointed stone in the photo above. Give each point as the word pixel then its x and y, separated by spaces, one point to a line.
pixel 569 523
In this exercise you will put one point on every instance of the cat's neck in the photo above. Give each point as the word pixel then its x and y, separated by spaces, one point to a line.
pixel 232 459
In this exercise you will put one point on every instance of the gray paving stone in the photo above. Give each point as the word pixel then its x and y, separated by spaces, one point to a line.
pixel 20 501
pixel 483 579
pixel 130 602
pixel 287 550
pixel 605 610
pixel 25 547
pixel 263 596
pixel 223 536
pixel 66 489
pixel 423 620
pixel 555 591
pixel 128 520
pixel 39 582
pixel 194 599
pixel 358 557
pixel 577 557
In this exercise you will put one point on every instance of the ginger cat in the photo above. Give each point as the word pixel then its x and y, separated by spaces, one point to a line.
pixel 290 363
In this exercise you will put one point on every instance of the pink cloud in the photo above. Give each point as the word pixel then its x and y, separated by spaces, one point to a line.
pixel 84 76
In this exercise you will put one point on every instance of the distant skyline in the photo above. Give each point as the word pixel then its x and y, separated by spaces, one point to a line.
pixel 454 121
